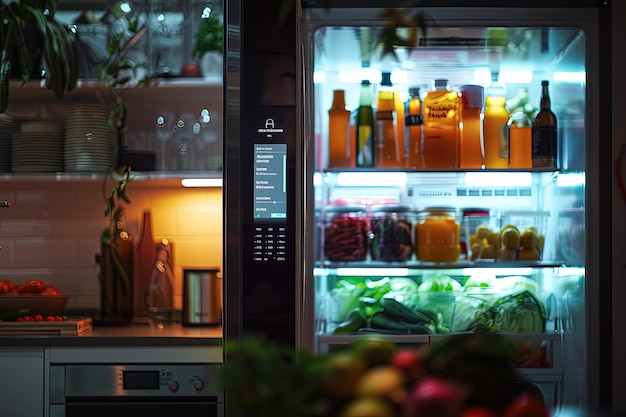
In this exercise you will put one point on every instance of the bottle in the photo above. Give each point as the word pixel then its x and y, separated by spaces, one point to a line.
pixel 413 123
pixel 495 122
pixel 470 149
pixel 365 128
pixel 339 132
pixel 143 265
pixel 544 133
pixel 160 288
pixel 387 152
pixel 442 116
pixel 520 141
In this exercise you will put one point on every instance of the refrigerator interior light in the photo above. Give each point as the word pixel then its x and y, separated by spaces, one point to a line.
pixel 490 179
pixel 356 76
pixel 572 179
pixel 497 272
pixel 372 179
pixel 201 182
pixel 372 272
pixel 516 77
pixel 570 76
pixel 319 77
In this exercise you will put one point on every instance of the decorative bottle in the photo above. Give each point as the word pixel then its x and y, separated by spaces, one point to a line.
pixel 442 117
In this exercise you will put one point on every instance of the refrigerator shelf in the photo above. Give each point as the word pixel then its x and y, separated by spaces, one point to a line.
pixel 433 265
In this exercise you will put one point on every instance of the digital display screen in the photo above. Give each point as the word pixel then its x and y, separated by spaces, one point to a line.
pixel 140 380
pixel 270 181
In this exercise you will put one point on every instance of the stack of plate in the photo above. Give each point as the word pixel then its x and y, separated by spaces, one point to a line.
pixel 89 141
pixel 37 152
pixel 8 126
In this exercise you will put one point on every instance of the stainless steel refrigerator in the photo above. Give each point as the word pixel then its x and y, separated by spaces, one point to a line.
pixel 284 276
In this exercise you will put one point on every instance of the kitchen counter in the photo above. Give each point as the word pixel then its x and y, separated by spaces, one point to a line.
pixel 134 335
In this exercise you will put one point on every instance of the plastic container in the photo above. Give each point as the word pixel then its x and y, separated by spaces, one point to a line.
pixel 437 235
pixel 391 233
pixel 345 234
pixel 522 235
pixel 571 236
pixel 481 234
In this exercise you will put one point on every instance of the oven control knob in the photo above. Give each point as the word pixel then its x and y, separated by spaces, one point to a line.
pixel 199 385
pixel 173 386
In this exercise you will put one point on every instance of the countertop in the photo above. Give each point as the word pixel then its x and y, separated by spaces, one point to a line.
pixel 138 335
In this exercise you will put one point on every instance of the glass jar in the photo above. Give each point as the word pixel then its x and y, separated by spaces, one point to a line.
pixel 437 235
pixel 480 234
pixel 391 233
pixel 345 234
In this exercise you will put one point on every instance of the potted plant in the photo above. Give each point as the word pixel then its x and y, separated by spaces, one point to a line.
pixel 207 47
pixel 29 35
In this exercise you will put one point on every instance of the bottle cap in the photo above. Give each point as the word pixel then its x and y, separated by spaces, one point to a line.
pixel 441 83
pixel 365 82
pixel 386 79
pixel 545 82
pixel 414 91
pixel 472 96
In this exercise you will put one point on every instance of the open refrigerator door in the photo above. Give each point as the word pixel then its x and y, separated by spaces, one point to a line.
pixel 412 239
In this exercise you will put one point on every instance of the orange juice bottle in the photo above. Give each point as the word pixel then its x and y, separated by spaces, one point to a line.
pixel 413 123
pixel 442 116
pixel 387 152
pixel 495 121
pixel 339 132
pixel 470 149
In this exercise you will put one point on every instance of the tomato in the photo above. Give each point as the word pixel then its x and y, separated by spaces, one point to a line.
pixel 9 283
pixel 50 290
pixel 190 69
pixel 19 289
pixel 34 286
pixel 4 288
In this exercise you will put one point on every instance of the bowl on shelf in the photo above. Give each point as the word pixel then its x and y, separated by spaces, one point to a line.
pixel 46 305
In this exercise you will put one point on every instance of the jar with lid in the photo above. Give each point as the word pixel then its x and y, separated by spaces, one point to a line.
pixel 437 235
pixel 480 234
pixel 391 233
pixel 345 234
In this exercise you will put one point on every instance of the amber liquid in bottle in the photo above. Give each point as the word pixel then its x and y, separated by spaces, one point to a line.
pixel 544 133
pixel 442 116
pixel 339 132
pixel 470 150
pixel 520 141
pixel 413 124
pixel 387 152
pixel 494 133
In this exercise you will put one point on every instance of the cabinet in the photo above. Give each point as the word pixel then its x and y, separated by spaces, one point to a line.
pixel 22 383
pixel 174 116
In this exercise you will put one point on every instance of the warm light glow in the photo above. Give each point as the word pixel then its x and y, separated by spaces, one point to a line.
pixel 371 179
pixel 500 179
pixel 202 182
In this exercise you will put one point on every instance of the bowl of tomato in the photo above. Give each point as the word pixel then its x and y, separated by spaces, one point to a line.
pixel 30 298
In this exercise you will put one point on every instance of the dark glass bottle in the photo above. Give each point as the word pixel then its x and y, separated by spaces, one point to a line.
pixel 544 132
pixel 365 128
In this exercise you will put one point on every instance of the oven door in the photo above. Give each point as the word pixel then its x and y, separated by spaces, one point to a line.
pixel 133 391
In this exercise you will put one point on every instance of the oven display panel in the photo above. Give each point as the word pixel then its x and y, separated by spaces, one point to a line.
pixel 140 380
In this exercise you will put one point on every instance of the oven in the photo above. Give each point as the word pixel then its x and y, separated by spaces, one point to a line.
pixel 184 390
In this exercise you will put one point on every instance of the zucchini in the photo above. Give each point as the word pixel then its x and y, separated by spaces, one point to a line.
pixel 396 309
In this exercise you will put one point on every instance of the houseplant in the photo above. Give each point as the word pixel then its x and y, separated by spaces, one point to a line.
pixel 29 35
pixel 207 47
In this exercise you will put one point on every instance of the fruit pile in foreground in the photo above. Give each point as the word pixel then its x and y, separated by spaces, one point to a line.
pixel 462 375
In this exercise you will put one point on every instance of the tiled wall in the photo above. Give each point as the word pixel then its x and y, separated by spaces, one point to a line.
pixel 51 231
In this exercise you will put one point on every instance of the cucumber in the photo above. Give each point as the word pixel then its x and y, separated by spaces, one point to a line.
pixel 14 314
pixel 396 309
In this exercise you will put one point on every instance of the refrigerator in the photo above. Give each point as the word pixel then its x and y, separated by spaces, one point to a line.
pixel 292 275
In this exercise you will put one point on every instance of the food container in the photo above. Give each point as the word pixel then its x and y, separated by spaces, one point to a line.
pixel 522 235
pixel 571 236
pixel 437 235
pixel 391 233
pixel 480 234
pixel 46 305
pixel 345 234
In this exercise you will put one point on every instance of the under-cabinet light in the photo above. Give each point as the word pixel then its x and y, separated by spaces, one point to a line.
pixel 490 179
pixel 371 179
pixel 570 180
pixel 202 182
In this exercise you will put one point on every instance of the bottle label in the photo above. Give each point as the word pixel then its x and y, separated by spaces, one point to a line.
pixel 440 111
pixel 544 146
pixel 411 120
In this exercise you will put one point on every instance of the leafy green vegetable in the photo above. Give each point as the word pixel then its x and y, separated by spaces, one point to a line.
pixel 439 283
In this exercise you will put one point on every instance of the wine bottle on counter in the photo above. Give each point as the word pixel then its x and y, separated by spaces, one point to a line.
pixel 144 261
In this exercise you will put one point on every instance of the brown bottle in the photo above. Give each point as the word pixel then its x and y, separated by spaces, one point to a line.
pixel 339 150
pixel 145 253
pixel 544 133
